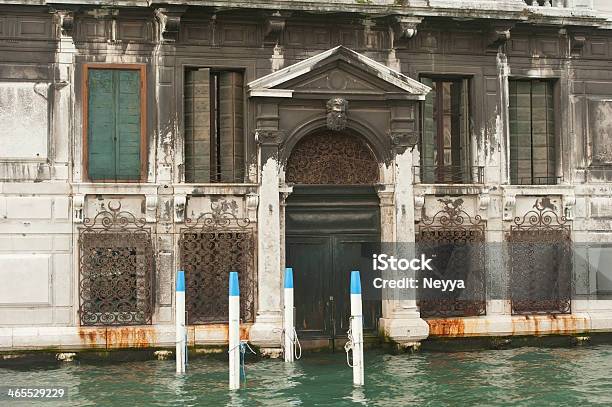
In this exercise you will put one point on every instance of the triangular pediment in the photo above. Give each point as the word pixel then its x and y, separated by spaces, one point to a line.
pixel 338 71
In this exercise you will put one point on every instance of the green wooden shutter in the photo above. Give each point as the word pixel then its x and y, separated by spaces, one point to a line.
pixel 197 126
pixel 114 133
pixel 532 132
pixel 428 143
pixel 231 133
pixel 101 125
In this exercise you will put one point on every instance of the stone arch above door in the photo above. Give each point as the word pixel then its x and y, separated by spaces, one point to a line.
pixel 332 158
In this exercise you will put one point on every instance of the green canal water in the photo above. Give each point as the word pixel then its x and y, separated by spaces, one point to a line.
pixel 525 376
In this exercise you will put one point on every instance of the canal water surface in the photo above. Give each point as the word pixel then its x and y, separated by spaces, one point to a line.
pixel 525 376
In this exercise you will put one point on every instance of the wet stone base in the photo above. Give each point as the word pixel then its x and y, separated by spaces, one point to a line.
pixel 51 357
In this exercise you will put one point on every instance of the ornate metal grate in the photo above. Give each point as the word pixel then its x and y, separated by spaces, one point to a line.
pixel 332 158
pixel 116 269
pixel 455 241
pixel 211 246
pixel 540 261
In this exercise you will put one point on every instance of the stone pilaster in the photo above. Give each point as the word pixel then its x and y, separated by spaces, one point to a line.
pixel 402 322
pixel 266 332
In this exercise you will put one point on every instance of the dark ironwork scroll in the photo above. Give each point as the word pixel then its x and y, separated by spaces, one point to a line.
pixel 332 158
pixel 211 246
pixel 540 261
pixel 455 242
pixel 116 269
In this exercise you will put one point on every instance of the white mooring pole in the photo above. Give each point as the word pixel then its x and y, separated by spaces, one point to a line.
pixel 181 334
pixel 234 332
pixel 289 337
pixel 357 328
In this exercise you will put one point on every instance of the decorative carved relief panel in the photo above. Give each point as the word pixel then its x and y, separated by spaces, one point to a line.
pixel 332 158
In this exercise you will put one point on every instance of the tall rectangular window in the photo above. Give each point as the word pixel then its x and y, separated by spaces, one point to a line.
pixel 214 130
pixel 532 133
pixel 445 152
pixel 114 122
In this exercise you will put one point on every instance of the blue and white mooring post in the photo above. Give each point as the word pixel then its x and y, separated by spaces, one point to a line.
pixel 234 332
pixel 288 322
pixel 181 332
pixel 356 328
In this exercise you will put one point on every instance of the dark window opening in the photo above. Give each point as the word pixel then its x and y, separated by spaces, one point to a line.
pixel 445 144
pixel 214 131
pixel 532 133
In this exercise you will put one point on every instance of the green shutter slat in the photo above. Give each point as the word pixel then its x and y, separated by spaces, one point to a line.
pixel 101 125
pixel 128 160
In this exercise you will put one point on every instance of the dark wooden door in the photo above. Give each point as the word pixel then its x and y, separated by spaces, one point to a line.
pixel 330 231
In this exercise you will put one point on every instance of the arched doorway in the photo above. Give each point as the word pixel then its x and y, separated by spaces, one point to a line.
pixel 332 225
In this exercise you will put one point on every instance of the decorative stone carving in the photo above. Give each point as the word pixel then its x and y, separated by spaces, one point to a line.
pixel 404 139
pixel 336 114
pixel 419 207
pixel 569 203
pixel 252 199
pixel 170 22
pixel 405 28
pixel 78 202
pixel 275 25
pixel 484 201
pixel 151 208
pixel 66 22
pixel 509 205
pixel 180 206
pixel 498 36
pixel 268 137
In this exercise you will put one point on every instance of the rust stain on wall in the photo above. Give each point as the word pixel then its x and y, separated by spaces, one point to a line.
pixel 90 337
pixel 130 337
pixel 549 324
pixel 220 332
pixel 446 327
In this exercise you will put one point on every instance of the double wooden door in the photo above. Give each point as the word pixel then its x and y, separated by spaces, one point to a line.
pixel 330 231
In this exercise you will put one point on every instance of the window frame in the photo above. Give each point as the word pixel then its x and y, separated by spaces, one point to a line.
pixel 214 68
pixel 558 170
pixel 469 163
pixel 142 68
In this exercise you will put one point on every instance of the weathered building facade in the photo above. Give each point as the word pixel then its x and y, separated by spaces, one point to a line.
pixel 139 139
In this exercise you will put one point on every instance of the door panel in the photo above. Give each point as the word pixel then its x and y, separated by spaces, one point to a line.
pixel 310 258
pixel 352 252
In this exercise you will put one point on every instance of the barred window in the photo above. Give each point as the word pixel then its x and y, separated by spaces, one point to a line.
pixel 208 258
pixel 116 278
pixel 214 130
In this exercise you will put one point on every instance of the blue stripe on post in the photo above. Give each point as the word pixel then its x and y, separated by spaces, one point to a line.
pixel 355 282
pixel 180 280
pixel 234 288
pixel 289 277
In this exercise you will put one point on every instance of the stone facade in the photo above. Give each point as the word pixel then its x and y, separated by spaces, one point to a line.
pixel 380 49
